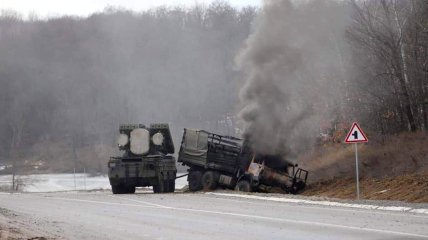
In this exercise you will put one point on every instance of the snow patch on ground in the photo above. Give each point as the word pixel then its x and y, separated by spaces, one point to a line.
pixel 64 182
pixel 325 203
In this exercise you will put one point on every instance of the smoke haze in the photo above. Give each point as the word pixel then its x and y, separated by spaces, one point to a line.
pixel 305 68
pixel 67 83
pixel 293 65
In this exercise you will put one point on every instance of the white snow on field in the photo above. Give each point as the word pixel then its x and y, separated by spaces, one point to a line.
pixel 56 182
pixel 64 182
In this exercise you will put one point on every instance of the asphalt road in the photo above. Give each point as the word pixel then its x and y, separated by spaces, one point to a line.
pixel 101 215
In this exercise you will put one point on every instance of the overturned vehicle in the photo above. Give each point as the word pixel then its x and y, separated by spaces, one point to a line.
pixel 147 159
pixel 215 160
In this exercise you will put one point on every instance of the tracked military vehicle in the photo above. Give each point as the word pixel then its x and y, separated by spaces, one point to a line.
pixel 146 161
pixel 215 160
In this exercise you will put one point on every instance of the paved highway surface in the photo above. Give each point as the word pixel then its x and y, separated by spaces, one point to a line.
pixel 101 215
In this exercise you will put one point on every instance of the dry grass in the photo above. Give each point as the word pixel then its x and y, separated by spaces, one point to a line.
pixel 395 170
pixel 409 188
pixel 403 154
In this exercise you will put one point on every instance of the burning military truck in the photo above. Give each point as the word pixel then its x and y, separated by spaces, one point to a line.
pixel 146 161
pixel 215 160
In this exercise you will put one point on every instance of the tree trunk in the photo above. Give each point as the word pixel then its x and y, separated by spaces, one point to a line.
pixel 402 72
pixel 407 104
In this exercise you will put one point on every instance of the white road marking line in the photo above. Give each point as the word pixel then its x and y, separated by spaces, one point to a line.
pixel 101 202
pixel 158 206
pixel 325 203
pixel 282 220
pixel 324 208
pixel 143 202
pixel 302 222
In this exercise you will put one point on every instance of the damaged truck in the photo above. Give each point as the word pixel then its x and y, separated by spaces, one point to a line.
pixel 224 161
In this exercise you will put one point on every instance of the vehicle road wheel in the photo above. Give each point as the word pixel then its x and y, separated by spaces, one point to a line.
pixel 130 189
pixel 171 183
pixel 209 180
pixel 297 187
pixel 243 186
pixel 158 188
pixel 116 189
pixel 166 186
pixel 120 189
pixel 194 180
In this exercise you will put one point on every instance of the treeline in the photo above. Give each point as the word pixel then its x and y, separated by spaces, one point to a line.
pixel 67 83
pixel 388 89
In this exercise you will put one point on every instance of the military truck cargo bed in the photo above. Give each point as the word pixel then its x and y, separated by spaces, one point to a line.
pixel 211 151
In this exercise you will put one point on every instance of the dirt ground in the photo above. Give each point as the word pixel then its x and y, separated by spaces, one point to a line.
pixel 398 155
pixel 394 168
pixel 408 188
pixel 11 228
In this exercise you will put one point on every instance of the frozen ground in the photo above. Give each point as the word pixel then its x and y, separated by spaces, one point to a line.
pixel 63 182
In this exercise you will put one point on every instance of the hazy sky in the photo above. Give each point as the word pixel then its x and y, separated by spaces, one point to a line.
pixel 52 8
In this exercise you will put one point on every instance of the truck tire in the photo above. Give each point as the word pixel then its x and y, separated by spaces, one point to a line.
pixel 130 189
pixel 297 187
pixel 116 189
pixel 158 188
pixel 166 186
pixel 194 180
pixel 209 180
pixel 122 189
pixel 243 186
pixel 171 183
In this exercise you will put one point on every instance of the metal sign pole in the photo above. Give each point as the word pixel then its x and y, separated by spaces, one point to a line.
pixel 84 177
pixel 74 178
pixel 356 164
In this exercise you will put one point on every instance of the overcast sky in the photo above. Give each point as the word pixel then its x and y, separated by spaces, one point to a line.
pixel 52 8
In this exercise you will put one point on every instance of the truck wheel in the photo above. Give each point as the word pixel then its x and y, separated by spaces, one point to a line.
pixel 209 180
pixel 243 186
pixel 159 188
pixel 297 187
pixel 194 180
pixel 116 189
pixel 130 189
pixel 171 183
pixel 121 189
pixel 166 186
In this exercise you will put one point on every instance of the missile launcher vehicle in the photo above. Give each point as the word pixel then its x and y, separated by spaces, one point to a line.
pixel 147 159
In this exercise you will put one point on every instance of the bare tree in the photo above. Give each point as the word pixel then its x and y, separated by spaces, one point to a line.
pixel 384 29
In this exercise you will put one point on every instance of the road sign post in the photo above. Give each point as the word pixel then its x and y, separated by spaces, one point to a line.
pixel 356 168
pixel 355 136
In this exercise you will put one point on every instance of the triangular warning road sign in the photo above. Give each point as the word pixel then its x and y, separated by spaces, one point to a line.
pixel 356 135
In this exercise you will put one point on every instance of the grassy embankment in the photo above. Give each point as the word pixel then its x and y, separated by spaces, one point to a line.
pixel 396 169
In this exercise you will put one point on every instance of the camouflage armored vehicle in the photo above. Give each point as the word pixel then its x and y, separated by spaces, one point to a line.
pixel 146 161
